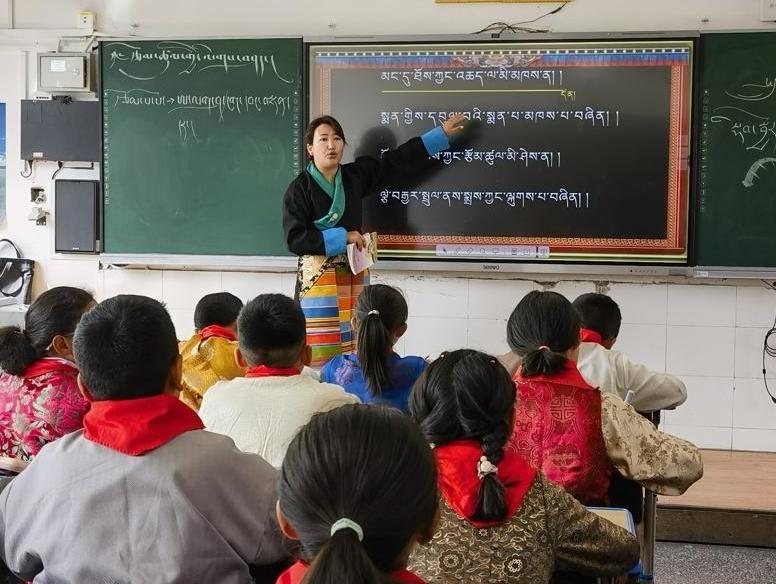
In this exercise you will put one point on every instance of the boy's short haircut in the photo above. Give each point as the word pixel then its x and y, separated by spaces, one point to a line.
pixel 124 348
pixel 220 308
pixel 600 314
pixel 271 329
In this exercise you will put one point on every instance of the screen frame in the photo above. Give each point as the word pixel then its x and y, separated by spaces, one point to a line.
pixel 648 266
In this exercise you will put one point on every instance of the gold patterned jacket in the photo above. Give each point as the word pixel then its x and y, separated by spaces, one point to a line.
pixel 551 531
pixel 205 363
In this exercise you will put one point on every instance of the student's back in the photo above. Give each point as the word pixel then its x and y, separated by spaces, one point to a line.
pixel 376 374
pixel 501 520
pixel 39 396
pixel 613 371
pixel 262 411
pixel 575 434
pixel 209 355
pixel 143 493
pixel 345 371
pixel 358 489
pixel 195 509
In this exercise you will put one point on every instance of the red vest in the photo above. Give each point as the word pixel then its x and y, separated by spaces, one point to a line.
pixel 558 430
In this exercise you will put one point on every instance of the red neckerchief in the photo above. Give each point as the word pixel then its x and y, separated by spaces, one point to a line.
pixel 137 426
pixel 216 330
pixel 267 371
pixel 460 486
pixel 569 375
pixel 296 572
pixel 49 365
pixel 590 336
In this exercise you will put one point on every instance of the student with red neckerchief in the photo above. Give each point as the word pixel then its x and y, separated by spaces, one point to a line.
pixel 143 493
pixel 357 490
pixel 209 355
pixel 501 520
pixel 613 371
pixel 39 397
pixel 577 435
pixel 262 411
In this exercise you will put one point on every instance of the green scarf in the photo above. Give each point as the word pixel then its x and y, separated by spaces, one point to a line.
pixel 337 193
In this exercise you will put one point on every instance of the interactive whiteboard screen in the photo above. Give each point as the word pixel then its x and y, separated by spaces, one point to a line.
pixel 576 151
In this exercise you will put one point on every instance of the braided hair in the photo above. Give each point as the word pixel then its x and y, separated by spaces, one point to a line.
pixel 467 394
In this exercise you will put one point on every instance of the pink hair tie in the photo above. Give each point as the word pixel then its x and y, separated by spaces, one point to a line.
pixel 544 348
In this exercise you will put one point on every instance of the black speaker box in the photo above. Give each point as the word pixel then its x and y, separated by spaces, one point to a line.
pixel 77 216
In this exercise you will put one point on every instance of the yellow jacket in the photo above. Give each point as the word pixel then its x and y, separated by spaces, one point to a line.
pixel 204 363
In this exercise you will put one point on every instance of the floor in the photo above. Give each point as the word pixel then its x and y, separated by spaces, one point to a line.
pixel 683 563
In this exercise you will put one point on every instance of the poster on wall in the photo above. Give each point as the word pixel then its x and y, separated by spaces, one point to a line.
pixel 2 162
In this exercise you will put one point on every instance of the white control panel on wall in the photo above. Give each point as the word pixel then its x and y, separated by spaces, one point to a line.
pixel 768 10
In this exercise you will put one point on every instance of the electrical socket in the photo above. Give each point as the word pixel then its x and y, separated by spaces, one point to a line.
pixel 768 10
pixel 86 20
pixel 37 195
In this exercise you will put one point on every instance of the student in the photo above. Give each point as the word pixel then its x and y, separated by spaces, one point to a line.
pixel 358 489
pixel 501 521
pixel 322 215
pixel 376 374
pixel 39 397
pixel 262 411
pixel 611 370
pixel 143 493
pixel 571 431
pixel 209 355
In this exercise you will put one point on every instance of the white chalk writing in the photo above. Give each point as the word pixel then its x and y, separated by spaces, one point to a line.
pixel 550 77
pixel 279 105
pixel 189 57
pixel 560 197
pixel 408 116
pixel 548 158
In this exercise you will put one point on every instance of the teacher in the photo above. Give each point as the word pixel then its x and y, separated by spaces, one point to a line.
pixel 322 215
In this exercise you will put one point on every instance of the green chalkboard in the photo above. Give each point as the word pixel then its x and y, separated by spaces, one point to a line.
pixel 736 219
pixel 200 140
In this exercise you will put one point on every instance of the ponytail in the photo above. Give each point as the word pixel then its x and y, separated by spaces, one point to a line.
pixel 343 560
pixel 380 311
pixel 16 350
pixel 55 312
pixel 542 327
pixel 542 361
pixel 373 344
pixel 358 484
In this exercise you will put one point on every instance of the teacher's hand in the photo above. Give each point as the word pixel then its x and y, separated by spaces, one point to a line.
pixel 357 238
pixel 453 125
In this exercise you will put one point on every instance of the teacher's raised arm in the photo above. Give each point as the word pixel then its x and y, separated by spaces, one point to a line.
pixel 322 214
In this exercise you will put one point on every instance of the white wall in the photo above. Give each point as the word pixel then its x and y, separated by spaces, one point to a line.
pixel 710 335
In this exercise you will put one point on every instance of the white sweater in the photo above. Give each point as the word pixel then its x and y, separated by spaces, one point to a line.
pixel 612 371
pixel 263 414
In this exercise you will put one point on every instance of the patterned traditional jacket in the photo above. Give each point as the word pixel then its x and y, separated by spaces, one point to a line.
pixel 39 406
pixel 546 529
pixel 576 435
pixel 208 357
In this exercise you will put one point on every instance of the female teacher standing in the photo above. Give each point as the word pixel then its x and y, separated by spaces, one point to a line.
pixel 322 215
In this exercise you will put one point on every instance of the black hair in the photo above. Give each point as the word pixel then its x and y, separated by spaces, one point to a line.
pixel 379 313
pixel 369 464
pixel 466 394
pixel 599 313
pixel 309 133
pixel 124 348
pixel 271 329
pixel 55 312
pixel 541 327
pixel 220 308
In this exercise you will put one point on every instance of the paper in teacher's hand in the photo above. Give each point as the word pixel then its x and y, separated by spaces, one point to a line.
pixel 363 259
